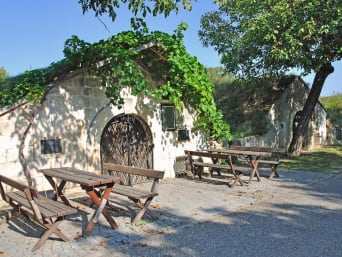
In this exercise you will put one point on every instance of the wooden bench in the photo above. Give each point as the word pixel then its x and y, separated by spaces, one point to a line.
pixel 219 162
pixel 134 194
pixel 274 152
pixel 26 200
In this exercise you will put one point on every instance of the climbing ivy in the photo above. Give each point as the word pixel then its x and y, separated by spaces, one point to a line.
pixel 115 62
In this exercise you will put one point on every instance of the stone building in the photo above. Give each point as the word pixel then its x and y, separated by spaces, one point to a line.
pixel 76 126
pixel 283 111
pixel 334 134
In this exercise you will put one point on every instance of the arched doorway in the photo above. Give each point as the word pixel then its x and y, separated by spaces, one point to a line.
pixel 127 140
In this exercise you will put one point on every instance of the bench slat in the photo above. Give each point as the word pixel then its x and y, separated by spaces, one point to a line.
pixel 211 165
pixel 132 192
pixel 207 154
pixel 225 167
pixel 243 168
pixel 133 170
pixel 47 207
pixel 269 162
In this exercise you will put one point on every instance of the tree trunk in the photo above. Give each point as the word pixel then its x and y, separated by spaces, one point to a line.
pixel 27 130
pixel 299 131
pixel 22 146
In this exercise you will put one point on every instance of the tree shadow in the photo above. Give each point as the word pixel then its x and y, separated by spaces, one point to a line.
pixel 310 226
pixel 297 217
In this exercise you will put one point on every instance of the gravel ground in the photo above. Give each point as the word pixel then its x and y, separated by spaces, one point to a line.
pixel 298 214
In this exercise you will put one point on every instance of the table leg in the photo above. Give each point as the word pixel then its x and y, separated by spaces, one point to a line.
pixel 274 171
pixel 237 177
pixel 255 172
pixel 101 208
pixel 58 190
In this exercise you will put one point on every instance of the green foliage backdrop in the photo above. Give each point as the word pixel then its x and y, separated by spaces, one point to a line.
pixel 185 80
pixel 333 105
pixel 3 74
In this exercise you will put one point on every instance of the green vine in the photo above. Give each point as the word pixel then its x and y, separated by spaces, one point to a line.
pixel 116 62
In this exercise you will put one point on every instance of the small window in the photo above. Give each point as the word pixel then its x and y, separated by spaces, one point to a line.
pixel 49 146
pixel 168 117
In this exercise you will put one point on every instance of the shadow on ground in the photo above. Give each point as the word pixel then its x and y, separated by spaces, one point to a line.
pixel 298 214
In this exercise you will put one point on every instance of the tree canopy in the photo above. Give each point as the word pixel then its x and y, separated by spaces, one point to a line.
pixel 153 7
pixel 3 73
pixel 218 76
pixel 263 38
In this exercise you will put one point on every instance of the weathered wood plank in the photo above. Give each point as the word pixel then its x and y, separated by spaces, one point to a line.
pixel 80 177
pixel 133 193
pixel 207 154
pixel 133 170
pixel 273 162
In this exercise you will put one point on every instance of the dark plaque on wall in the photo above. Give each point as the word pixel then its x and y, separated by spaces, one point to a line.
pixel 183 134
pixel 49 146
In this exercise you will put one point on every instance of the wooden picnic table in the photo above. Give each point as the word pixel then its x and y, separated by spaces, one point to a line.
pixel 272 162
pixel 88 181
pixel 251 157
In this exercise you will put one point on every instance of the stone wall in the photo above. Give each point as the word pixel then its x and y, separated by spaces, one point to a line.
pixel 75 113
pixel 281 116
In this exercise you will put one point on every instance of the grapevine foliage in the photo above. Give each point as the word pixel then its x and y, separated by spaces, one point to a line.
pixel 117 63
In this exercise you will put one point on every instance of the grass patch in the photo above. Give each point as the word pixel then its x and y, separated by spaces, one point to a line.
pixel 327 159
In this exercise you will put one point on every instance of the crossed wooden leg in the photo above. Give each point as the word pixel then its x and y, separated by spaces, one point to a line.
pixel 50 226
pixel 237 175
pixel 101 208
pixel 144 208
pixel 274 171
pixel 50 229
pixel 255 172
pixel 58 190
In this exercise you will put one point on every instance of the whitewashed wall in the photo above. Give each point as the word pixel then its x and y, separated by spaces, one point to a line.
pixel 76 111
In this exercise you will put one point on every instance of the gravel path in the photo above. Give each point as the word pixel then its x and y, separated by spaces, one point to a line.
pixel 298 214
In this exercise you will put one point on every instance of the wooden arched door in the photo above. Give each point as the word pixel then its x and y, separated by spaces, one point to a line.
pixel 127 140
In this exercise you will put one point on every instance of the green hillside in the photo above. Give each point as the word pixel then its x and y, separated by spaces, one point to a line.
pixel 333 105
pixel 245 105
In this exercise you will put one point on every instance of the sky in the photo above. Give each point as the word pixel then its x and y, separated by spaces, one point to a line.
pixel 33 34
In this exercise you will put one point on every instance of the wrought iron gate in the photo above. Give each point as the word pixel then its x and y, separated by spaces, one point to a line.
pixel 127 140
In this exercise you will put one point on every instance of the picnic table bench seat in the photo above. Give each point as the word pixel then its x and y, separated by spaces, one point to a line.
pixel 133 193
pixel 272 163
pixel 46 212
pixel 217 167
pixel 219 161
